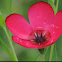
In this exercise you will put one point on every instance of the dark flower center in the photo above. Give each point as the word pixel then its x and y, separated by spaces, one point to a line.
pixel 39 37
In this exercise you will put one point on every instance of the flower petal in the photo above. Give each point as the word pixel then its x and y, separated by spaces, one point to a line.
pixel 55 34
pixel 40 13
pixel 24 43
pixel 58 20
pixel 18 25
pixel 55 28
pixel 52 41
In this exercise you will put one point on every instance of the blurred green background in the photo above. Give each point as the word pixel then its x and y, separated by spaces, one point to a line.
pixel 8 7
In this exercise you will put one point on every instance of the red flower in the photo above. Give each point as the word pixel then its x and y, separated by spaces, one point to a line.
pixel 44 28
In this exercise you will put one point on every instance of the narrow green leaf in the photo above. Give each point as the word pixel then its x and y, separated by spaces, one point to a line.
pixel 60 5
pixel 2 21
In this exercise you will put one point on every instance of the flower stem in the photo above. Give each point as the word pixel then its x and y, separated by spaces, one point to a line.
pixel 7 49
pixel 10 42
pixel 52 47
pixel 57 6
pixel 43 57
pixel 51 52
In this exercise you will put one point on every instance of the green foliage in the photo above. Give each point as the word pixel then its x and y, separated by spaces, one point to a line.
pixel 59 49
pixel 6 7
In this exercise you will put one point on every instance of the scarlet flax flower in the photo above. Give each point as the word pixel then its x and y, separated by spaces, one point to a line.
pixel 44 28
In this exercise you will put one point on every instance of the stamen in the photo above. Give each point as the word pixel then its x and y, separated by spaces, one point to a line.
pixel 40 36
pixel 35 35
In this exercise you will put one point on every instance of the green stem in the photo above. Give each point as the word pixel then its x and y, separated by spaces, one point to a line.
pixel 52 47
pixel 55 11
pixel 7 49
pixel 10 42
pixel 43 57
pixel 57 6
